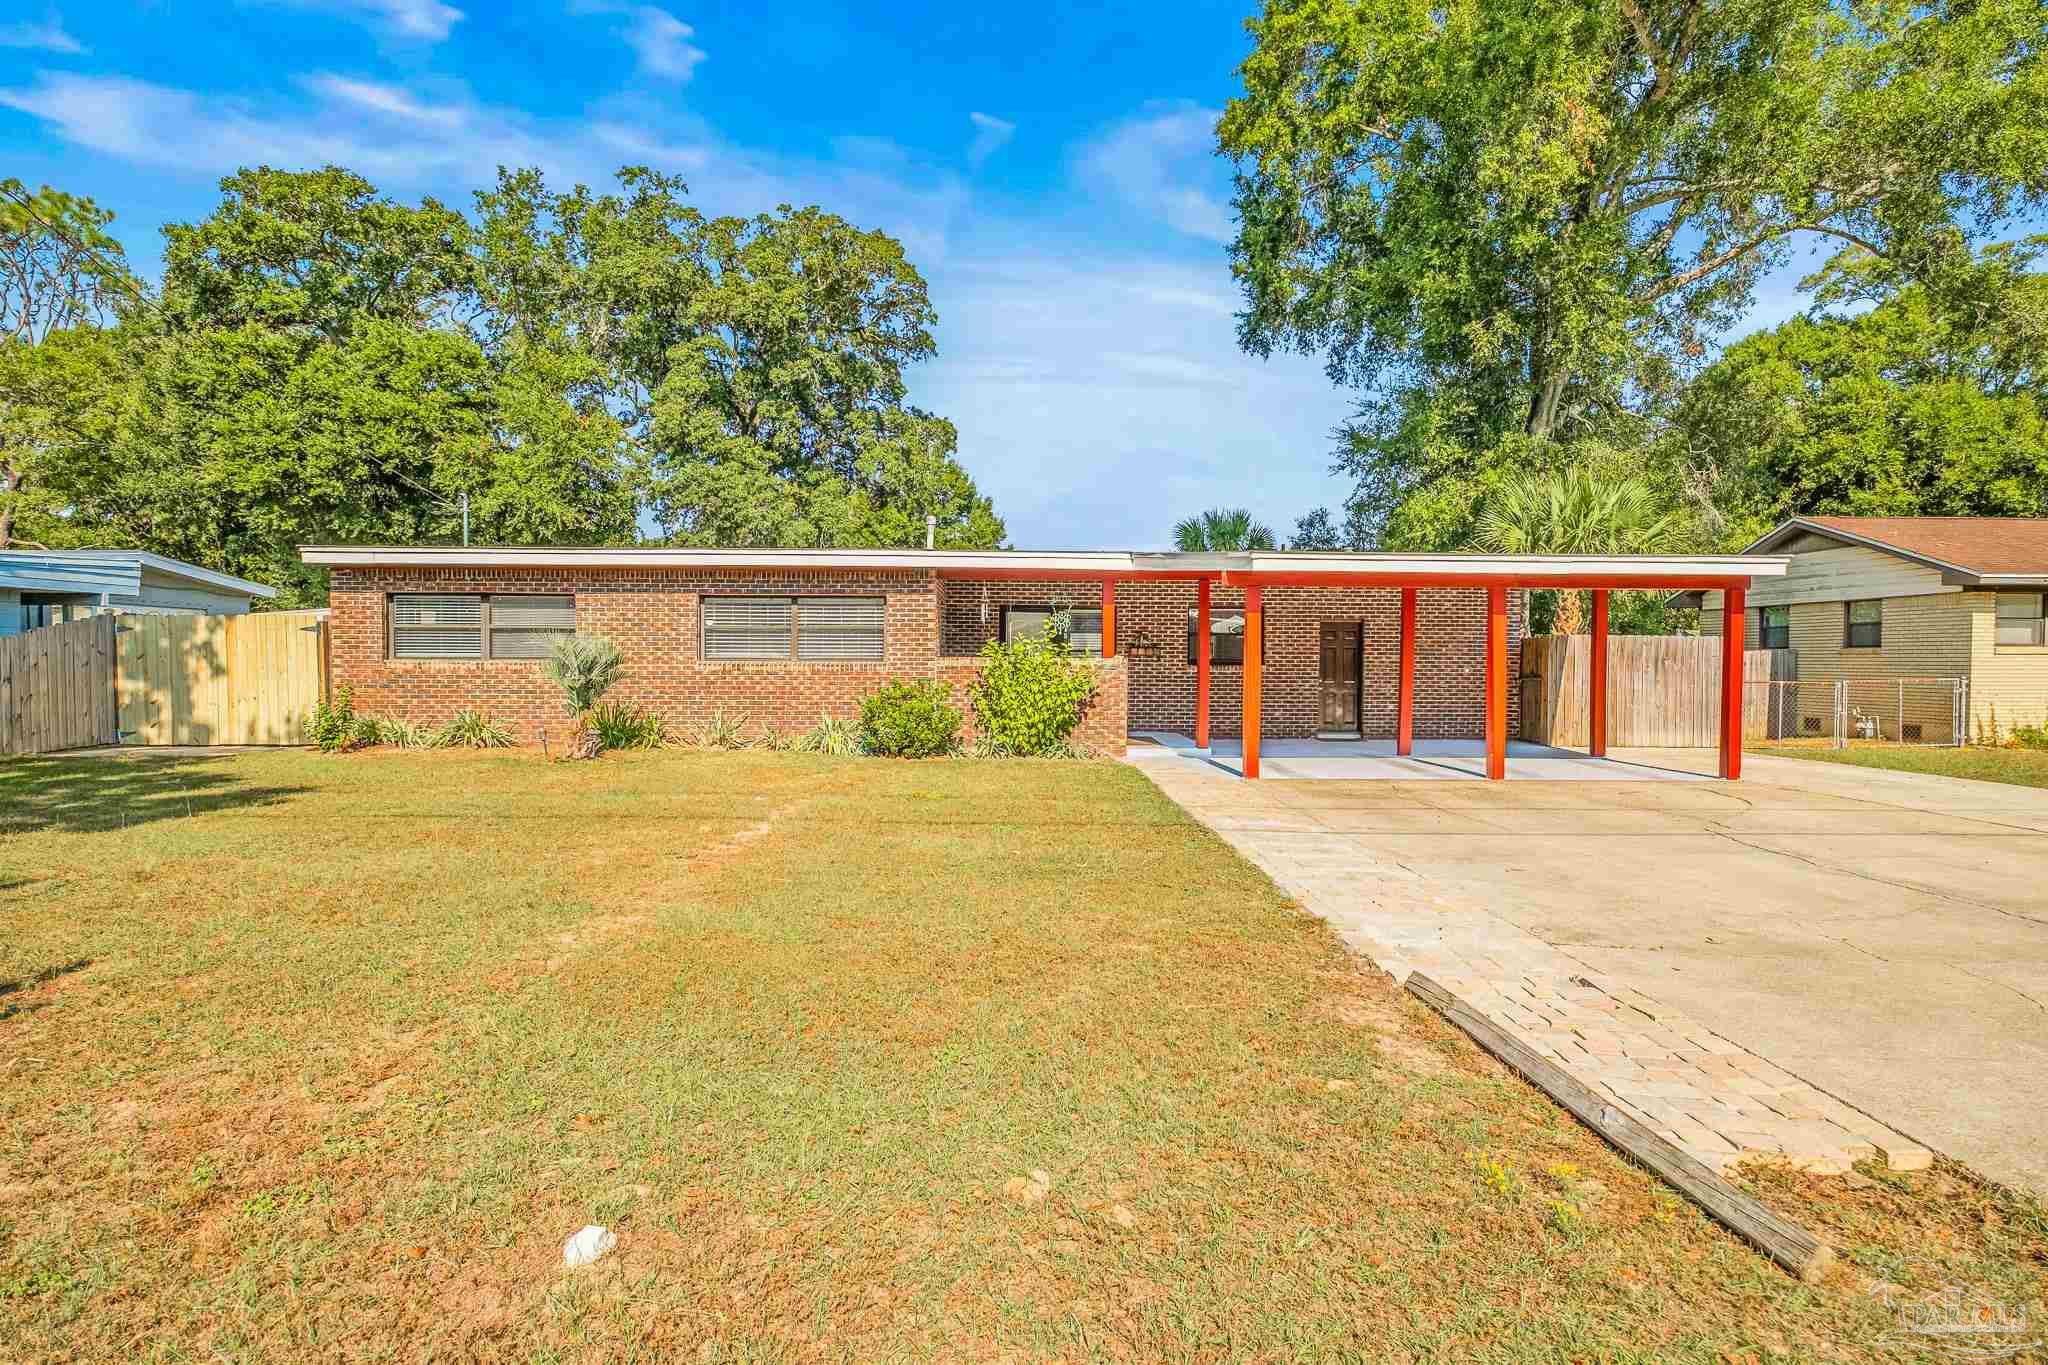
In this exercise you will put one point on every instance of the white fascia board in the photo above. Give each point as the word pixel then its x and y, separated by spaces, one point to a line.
pixel 1067 561
pixel 1531 566
pixel 192 573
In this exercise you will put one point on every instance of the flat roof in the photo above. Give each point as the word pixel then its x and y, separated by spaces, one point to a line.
pixel 1070 563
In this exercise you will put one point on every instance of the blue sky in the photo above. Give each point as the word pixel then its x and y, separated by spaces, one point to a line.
pixel 1049 168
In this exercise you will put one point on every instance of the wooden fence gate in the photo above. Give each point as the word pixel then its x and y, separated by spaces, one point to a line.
pixel 57 687
pixel 137 678
pixel 1663 691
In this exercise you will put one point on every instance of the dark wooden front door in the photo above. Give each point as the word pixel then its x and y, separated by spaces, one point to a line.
pixel 1340 677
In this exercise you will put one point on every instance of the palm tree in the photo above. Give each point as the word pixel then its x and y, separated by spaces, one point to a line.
pixel 1223 528
pixel 1582 510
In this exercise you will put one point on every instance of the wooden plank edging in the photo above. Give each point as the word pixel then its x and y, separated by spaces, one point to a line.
pixel 1777 1237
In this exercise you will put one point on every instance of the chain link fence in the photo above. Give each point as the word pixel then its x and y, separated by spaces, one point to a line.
pixel 1844 711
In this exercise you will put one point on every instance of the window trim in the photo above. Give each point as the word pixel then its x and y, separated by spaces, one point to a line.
pixel 1850 624
pixel 484 614
pixel 794 640
pixel 1763 627
pixel 1051 609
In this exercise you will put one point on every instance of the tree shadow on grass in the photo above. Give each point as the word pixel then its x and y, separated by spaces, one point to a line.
pixel 95 794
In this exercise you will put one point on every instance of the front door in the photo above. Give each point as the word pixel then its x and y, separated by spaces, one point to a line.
pixel 1340 677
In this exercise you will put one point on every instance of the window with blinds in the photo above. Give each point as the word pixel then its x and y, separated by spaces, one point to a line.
pixel 811 629
pixel 1863 624
pixel 2020 618
pixel 478 626
pixel 1084 626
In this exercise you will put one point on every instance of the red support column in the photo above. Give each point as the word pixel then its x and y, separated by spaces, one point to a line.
pixel 1254 641
pixel 1404 706
pixel 1109 618
pixel 1731 683
pixel 1596 680
pixel 1202 664
pixel 1496 683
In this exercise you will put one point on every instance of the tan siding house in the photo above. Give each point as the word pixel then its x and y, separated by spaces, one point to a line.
pixel 1885 600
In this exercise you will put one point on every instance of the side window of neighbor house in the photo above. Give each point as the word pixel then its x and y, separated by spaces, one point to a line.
pixel 814 629
pixel 2020 617
pixel 1863 624
pixel 478 626
pixel 1774 628
pixel 1084 626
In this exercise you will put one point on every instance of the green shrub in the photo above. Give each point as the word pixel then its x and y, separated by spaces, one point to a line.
pixel 584 667
pixel 404 734
pixel 472 729
pixel 331 727
pixel 2029 737
pixel 910 719
pixel 724 731
pixel 619 726
pixel 1030 694
pixel 830 735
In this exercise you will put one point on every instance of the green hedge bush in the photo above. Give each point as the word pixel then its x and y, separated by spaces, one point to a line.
pixel 1031 694
pixel 906 719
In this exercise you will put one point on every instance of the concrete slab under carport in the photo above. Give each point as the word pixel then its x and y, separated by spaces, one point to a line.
pixel 1883 936
pixel 1433 760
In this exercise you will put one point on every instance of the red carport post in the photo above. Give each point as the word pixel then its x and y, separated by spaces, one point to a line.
pixel 1254 668
pixel 1496 683
pixel 1202 663
pixel 1109 618
pixel 1404 706
pixel 1731 683
pixel 1596 680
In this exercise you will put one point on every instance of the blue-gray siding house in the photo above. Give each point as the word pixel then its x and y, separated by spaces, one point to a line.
pixel 43 587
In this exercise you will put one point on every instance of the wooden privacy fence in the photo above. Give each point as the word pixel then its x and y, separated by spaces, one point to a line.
pixel 57 687
pixel 147 679
pixel 1663 691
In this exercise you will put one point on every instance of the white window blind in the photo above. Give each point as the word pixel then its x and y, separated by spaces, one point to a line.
pixel 747 627
pixel 2020 618
pixel 437 627
pixel 847 629
pixel 527 627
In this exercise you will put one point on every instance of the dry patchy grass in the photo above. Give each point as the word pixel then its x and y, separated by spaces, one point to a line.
pixel 306 1057
pixel 1982 763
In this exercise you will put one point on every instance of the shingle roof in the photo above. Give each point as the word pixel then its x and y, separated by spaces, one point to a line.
pixel 1977 545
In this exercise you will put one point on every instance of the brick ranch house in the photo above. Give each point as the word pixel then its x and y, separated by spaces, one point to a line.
pixel 1297 645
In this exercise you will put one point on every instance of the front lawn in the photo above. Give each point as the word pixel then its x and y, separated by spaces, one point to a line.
pixel 307 1056
pixel 2019 767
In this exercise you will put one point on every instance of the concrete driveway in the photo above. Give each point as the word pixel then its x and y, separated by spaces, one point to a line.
pixel 1880 936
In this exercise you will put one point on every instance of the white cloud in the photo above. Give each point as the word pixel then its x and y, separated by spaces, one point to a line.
pixel 1162 163
pixel 990 134
pixel 49 36
pixel 1099 398
pixel 375 98
pixel 416 20
pixel 660 41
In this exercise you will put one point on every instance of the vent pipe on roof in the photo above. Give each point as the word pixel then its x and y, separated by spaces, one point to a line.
pixel 931 529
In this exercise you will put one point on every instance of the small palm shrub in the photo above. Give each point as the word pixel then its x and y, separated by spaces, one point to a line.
pixel 1030 695
pixel 331 726
pixel 584 667
pixel 723 731
pixel 910 719
pixel 619 726
pixel 830 735
pixel 472 729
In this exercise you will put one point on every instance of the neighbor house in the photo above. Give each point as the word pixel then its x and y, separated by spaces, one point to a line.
pixel 44 587
pixel 1913 605
pixel 1340 647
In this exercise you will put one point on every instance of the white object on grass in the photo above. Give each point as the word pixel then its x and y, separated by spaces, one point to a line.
pixel 587 1245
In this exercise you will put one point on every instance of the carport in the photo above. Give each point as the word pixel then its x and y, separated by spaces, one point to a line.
pixel 1259 573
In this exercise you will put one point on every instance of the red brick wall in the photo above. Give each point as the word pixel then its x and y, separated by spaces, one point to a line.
pixel 1450 636
pixel 652 616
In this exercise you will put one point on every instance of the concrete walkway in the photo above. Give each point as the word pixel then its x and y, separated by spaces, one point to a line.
pixel 1816 962
pixel 1433 760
